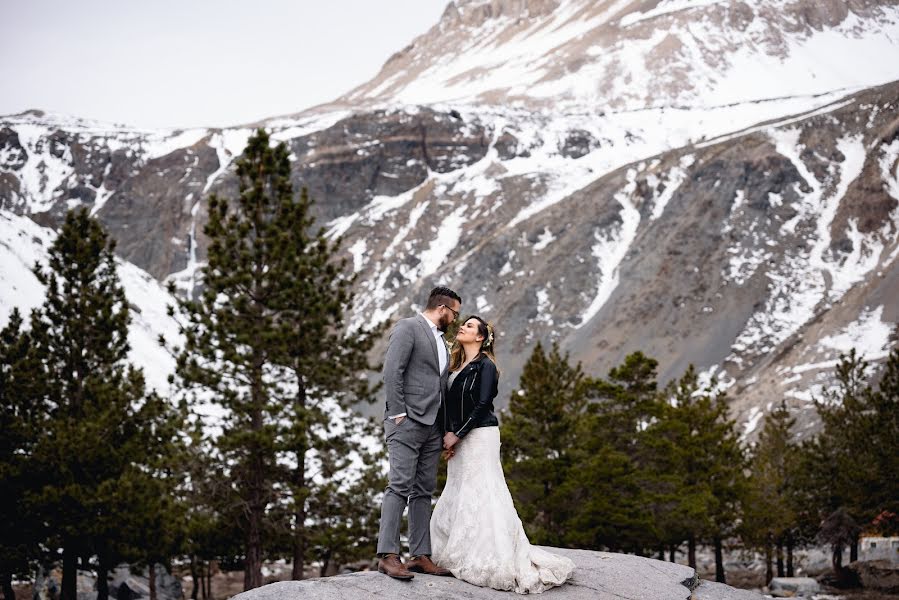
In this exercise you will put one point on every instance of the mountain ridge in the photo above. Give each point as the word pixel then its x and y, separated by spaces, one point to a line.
pixel 787 203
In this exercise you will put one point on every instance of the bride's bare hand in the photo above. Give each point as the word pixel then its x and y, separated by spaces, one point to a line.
pixel 450 440
pixel 448 454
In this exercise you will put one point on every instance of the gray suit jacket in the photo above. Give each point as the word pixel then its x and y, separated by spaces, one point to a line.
pixel 412 378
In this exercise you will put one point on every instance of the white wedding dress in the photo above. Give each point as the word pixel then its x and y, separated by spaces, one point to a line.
pixel 475 530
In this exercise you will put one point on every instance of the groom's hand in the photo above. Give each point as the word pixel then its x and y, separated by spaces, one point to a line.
pixel 450 440
pixel 399 420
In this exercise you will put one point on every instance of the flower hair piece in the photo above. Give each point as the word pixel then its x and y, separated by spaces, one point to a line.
pixel 488 342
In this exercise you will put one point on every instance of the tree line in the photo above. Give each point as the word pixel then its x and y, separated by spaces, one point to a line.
pixel 97 469
pixel 619 463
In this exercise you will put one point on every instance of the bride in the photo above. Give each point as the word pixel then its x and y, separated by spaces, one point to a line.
pixel 475 530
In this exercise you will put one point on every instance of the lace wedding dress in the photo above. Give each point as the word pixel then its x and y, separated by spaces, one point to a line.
pixel 475 530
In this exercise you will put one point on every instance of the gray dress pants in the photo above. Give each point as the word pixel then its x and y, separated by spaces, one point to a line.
pixel 414 450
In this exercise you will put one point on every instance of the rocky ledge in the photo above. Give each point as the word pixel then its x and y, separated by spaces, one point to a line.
pixel 599 576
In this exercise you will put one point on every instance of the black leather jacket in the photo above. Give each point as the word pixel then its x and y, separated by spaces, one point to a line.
pixel 469 401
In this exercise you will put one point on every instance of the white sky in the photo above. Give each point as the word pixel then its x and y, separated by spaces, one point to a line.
pixel 178 63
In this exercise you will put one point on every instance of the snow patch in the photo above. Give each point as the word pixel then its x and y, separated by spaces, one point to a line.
pixel 869 335
pixel 611 247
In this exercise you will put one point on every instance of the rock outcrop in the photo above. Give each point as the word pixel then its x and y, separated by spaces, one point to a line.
pixel 599 576
pixel 880 575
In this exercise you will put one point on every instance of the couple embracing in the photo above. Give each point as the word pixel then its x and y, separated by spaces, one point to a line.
pixel 440 400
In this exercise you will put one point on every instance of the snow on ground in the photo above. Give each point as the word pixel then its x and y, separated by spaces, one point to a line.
pixel 285 129
pixel 869 335
pixel 610 249
pixel 889 167
pixel 482 305
pixel 715 379
pixel 43 173
pixel 48 170
pixel 358 250
pixel 22 244
pixel 441 246
pixel 512 63
pixel 544 307
pixel 161 143
pixel 186 279
pixel 544 240
pixel 641 59
pixel 674 180
pixel 666 7
pixel 846 56
pixel 805 282
pixel 624 137
pixel 752 421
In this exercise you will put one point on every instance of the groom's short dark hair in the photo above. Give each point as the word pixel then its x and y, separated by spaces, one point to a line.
pixel 441 295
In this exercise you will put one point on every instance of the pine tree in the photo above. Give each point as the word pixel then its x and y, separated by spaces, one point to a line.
pixel 21 413
pixel 328 365
pixel 539 434
pixel 726 465
pixel 694 463
pixel 209 516
pixel 769 520
pixel 850 460
pixel 879 434
pixel 102 429
pixel 843 414
pixel 266 339
pixel 608 484
pixel 345 515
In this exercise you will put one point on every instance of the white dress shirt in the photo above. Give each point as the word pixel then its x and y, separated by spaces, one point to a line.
pixel 442 353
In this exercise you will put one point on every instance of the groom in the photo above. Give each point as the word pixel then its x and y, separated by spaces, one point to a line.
pixel 415 372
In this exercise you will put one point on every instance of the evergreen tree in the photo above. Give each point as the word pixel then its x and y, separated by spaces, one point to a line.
pixel 539 433
pixel 769 520
pixel 609 488
pixel 726 475
pixel 102 431
pixel 211 533
pixel 345 514
pixel 838 530
pixel 328 365
pixel 22 415
pixel 629 400
pixel 880 430
pixel 694 464
pixel 851 459
pixel 266 339
pixel 842 413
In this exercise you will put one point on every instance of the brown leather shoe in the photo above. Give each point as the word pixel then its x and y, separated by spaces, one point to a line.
pixel 424 564
pixel 393 566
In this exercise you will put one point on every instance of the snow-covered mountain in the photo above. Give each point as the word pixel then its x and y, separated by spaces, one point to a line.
pixel 634 54
pixel 708 181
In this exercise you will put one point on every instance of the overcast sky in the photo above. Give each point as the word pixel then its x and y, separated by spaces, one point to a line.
pixel 177 63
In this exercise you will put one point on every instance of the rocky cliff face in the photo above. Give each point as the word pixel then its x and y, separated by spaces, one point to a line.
pixel 744 223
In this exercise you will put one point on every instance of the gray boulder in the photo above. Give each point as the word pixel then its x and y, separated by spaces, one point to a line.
pixel 168 587
pixel 789 587
pixel 598 576
pixel 878 575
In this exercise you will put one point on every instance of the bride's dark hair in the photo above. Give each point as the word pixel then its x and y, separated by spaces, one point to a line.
pixel 488 345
